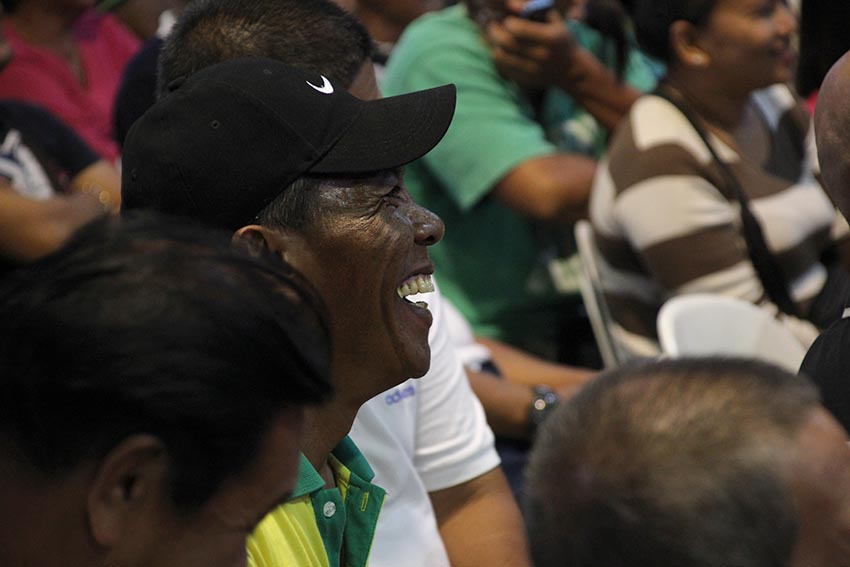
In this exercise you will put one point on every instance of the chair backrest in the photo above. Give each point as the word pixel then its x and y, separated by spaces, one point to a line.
pixel 613 354
pixel 705 324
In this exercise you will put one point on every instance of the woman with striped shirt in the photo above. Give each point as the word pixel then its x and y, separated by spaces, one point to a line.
pixel 722 129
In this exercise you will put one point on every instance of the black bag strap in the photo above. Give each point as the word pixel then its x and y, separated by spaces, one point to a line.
pixel 771 275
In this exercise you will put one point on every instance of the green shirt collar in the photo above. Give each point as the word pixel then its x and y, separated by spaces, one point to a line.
pixel 310 481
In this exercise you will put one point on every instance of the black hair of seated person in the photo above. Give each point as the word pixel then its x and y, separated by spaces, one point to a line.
pixel 677 462
pixel 824 38
pixel 312 35
pixel 9 5
pixel 608 17
pixel 653 19
pixel 145 324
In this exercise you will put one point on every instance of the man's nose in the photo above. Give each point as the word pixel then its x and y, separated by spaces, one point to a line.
pixel 429 228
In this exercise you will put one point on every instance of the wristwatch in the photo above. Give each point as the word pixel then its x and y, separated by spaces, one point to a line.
pixel 544 402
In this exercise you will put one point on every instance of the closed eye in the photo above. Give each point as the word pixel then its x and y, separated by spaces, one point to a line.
pixel 394 196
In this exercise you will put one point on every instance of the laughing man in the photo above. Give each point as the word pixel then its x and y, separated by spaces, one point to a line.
pixel 319 182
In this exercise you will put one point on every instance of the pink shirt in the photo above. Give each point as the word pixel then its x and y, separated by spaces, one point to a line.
pixel 39 76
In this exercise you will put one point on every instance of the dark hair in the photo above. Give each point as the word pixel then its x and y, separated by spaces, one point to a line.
pixel 824 38
pixel 296 206
pixel 654 18
pixel 151 325
pixel 678 462
pixel 313 35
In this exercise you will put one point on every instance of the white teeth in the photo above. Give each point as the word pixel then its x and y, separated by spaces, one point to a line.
pixel 422 304
pixel 415 285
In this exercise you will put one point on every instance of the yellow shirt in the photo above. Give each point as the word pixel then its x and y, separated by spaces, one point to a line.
pixel 320 526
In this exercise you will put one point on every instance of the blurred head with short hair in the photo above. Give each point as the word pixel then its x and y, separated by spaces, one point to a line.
pixel 692 463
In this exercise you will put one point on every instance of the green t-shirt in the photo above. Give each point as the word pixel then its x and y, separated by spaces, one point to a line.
pixel 492 263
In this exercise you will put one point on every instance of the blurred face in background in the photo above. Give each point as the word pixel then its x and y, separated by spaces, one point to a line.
pixel 749 43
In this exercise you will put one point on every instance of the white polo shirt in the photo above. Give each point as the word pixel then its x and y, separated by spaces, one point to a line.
pixel 424 435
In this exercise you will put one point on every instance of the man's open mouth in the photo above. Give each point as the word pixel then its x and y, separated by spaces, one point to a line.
pixel 420 283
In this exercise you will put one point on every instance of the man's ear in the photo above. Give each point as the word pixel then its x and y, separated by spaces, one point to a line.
pixel 133 475
pixel 686 46
pixel 256 239
pixel 284 243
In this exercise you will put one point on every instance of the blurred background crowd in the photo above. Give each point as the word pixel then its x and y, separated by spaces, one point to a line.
pixel 607 161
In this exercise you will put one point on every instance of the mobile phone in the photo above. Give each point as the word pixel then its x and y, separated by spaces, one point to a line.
pixel 537 10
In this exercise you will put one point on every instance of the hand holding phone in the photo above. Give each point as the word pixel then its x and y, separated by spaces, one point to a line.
pixel 534 55
pixel 537 10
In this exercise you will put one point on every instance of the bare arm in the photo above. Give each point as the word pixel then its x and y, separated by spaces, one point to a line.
pixel 597 89
pixel 480 523
pixel 519 367
pixel 30 229
pixel 550 188
pixel 506 399
pixel 505 404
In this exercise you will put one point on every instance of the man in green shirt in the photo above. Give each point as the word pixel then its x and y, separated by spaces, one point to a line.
pixel 516 166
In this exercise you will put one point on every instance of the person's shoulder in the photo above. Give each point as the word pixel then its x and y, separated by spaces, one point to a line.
pixel 654 123
pixel 438 48
pixel 288 535
pixel 655 141
pixel 449 28
pixel 453 18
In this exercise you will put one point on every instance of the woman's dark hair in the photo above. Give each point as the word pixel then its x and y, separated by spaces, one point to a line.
pixel 653 19
pixel 146 324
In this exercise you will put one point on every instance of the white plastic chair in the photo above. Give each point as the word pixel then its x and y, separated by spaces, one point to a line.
pixel 612 351
pixel 705 325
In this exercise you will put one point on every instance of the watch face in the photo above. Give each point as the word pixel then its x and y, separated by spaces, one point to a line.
pixel 545 401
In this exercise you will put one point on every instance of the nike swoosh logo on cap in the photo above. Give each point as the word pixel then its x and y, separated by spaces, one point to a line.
pixel 326 88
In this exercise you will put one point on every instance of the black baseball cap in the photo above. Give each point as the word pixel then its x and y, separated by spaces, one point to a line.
pixel 228 139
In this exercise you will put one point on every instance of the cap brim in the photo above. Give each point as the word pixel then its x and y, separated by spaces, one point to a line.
pixel 391 132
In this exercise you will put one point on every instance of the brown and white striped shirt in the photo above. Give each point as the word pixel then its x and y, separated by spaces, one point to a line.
pixel 666 224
